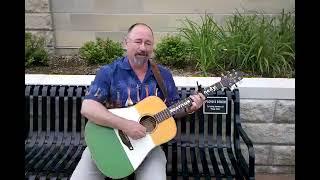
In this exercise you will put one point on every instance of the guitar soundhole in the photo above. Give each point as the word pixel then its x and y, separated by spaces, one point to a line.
pixel 148 122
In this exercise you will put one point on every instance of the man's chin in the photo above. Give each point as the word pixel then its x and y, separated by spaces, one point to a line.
pixel 140 60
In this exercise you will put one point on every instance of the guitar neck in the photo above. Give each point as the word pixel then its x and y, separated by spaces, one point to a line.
pixel 182 104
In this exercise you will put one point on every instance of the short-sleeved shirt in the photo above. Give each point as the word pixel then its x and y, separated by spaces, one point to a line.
pixel 117 85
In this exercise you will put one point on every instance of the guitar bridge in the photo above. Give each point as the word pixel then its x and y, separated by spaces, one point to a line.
pixel 125 140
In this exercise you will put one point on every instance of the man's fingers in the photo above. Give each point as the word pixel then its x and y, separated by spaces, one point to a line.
pixel 202 96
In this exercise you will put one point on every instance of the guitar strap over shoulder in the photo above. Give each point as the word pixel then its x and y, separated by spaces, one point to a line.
pixel 159 78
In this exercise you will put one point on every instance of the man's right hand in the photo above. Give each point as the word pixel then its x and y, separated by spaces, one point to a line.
pixel 134 130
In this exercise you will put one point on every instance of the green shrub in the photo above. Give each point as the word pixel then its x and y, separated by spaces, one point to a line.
pixel 257 44
pixel 260 44
pixel 204 39
pixel 173 51
pixel 101 51
pixel 35 52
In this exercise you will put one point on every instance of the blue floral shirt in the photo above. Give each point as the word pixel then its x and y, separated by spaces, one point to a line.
pixel 117 85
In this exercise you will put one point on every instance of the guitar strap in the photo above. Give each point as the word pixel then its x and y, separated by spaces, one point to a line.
pixel 159 78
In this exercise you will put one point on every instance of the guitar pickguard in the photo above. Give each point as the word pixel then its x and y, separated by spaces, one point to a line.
pixel 125 140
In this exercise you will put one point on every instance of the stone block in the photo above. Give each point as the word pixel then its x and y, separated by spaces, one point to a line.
pixel 285 111
pixel 283 155
pixel 38 21
pixel 270 132
pixel 257 110
pixel 32 6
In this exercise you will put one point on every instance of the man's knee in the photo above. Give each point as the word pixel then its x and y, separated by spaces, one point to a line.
pixel 153 167
pixel 86 168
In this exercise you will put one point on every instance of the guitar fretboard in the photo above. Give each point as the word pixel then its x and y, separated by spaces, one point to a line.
pixel 226 81
pixel 182 104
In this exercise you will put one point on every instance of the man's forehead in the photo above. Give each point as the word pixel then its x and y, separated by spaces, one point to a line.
pixel 140 30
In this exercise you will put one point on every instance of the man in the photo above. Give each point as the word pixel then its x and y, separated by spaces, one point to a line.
pixel 122 83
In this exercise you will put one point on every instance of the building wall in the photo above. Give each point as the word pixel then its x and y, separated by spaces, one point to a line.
pixel 68 24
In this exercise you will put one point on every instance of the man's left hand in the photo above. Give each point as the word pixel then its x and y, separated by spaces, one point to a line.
pixel 198 100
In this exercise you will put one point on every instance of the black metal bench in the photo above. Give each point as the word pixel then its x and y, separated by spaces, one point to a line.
pixel 206 145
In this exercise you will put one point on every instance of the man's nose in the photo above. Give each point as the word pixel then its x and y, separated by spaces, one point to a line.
pixel 142 47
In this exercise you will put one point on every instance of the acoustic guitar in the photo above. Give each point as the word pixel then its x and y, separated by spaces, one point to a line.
pixel 117 155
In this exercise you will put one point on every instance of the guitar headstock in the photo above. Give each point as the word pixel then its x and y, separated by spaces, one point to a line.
pixel 231 78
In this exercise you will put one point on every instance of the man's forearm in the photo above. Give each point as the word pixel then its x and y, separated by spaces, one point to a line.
pixel 181 114
pixel 97 113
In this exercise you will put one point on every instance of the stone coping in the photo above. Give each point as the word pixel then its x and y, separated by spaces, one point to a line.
pixel 250 88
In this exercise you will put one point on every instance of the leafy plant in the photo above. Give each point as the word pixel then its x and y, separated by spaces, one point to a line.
pixel 204 39
pixel 256 43
pixel 101 51
pixel 35 52
pixel 173 51
pixel 260 44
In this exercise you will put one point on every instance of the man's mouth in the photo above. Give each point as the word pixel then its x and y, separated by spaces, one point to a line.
pixel 141 54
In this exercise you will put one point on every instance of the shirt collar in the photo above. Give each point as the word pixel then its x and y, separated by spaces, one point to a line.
pixel 125 64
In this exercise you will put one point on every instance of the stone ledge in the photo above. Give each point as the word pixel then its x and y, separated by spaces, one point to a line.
pixel 270 133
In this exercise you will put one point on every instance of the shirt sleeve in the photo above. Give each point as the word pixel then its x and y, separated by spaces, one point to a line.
pixel 99 88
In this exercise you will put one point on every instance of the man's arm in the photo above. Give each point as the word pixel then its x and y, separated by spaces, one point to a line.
pixel 94 111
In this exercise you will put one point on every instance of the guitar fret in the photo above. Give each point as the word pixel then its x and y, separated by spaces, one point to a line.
pixel 162 116
pixel 156 117
pixel 167 112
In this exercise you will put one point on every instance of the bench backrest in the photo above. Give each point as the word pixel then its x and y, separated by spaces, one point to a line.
pixel 56 109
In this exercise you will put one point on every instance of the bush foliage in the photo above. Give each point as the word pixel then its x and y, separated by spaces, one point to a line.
pixel 101 51
pixel 173 51
pixel 35 51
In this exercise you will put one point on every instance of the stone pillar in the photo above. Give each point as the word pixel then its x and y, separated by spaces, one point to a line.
pixel 38 21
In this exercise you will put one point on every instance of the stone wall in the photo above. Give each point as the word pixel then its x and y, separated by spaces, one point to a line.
pixel 77 21
pixel 271 126
pixel 38 20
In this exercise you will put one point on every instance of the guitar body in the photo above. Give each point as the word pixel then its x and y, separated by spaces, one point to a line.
pixel 111 155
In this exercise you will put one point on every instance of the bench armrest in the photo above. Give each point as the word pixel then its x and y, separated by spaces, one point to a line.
pixel 249 169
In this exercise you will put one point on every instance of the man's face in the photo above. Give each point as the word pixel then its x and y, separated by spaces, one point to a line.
pixel 139 45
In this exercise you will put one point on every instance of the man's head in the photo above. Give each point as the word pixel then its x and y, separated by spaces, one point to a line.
pixel 139 43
